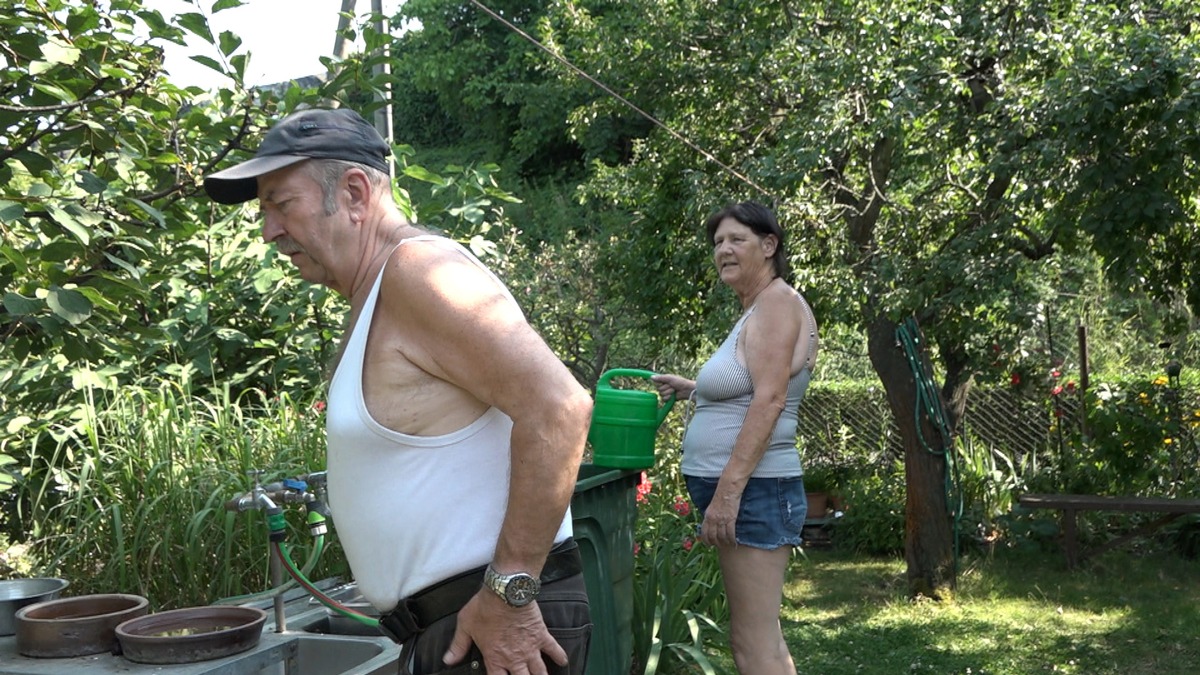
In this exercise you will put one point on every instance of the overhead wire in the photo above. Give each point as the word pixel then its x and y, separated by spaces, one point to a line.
pixel 579 71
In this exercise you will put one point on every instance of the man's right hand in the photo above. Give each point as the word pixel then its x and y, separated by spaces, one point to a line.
pixel 511 639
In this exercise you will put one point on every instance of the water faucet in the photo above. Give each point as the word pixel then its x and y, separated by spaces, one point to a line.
pixel 264 498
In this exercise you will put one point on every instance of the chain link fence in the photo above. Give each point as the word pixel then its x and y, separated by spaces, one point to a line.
pixel 1037 415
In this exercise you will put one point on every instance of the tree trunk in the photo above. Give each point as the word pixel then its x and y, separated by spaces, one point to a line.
pixel 928 543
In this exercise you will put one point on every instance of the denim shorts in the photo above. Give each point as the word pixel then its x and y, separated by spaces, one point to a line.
pixel 772 512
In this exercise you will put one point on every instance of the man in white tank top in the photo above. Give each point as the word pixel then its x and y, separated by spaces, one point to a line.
pixel 455 434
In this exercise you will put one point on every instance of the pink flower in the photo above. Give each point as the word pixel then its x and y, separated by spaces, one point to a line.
pixel 1056 373
pixel 319 406
pixel 643 489
pixel 1056 391
pixel 687 544
pixel 637 548
pixel 682 507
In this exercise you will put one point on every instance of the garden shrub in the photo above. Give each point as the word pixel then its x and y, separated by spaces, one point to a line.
pixel 873 519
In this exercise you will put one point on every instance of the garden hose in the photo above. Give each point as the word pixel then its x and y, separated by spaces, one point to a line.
pixel 316 527
pixel 930 403
pixel 281 551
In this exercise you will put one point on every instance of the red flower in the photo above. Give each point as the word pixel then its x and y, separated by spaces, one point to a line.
pixel 682 507
pixel 1058 412
pixel 1071 387
pixel 643 489
pixel 637 548
pixel 687 544
pixel 1055 373
pixel 319 406
pixel 1056 391
pixel 1016 379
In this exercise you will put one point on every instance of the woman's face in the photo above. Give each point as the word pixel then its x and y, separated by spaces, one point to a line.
pixel 740 253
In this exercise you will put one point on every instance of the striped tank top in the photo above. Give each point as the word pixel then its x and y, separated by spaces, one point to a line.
pixel 723 393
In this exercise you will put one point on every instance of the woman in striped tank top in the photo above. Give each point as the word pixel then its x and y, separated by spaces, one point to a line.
pixel 739 451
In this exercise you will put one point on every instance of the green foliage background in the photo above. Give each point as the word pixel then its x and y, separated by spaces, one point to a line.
pixel 980 167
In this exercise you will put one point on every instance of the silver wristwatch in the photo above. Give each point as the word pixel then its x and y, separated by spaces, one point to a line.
pixel 517 589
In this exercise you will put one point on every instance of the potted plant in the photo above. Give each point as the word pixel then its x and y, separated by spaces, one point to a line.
pixel 818 486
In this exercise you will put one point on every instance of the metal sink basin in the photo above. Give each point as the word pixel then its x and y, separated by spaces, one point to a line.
pixel 315 617
pixel 329 655
pixel 329 624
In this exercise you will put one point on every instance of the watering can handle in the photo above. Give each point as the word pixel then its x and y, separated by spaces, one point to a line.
pixel 624 372
pixel 638 372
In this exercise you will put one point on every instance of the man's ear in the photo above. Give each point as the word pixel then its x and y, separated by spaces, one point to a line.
pixel 357 187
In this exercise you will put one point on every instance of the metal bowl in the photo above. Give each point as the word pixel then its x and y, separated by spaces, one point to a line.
pixel 77 626
pixel 17 593
pixel 191 634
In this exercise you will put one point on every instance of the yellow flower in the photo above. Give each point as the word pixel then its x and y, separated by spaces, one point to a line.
pixel 1168 441
pixel 1160 380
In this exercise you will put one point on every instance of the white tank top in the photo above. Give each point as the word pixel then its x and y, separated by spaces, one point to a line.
pixel 408 510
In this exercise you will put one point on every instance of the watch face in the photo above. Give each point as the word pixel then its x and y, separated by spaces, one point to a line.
pixel 521 590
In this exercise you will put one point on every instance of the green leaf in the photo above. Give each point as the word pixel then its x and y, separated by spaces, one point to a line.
pixel 10 211
pixel 90 182
pixel 37 164
pixel 229 42
pixel 196 23
pixel 133 271
pixel 69 304
pixel 58 52
pixel 220 5
pixel 239 64
pixel 69 223
pixel 40 67
pixel 52 90
pixel 18 423
pixel 150 211
pixel 20 305
pixel 86 378
pixel 208 61
pixel 423 174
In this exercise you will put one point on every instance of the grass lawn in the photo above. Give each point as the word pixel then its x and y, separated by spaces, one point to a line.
pixel 1015 613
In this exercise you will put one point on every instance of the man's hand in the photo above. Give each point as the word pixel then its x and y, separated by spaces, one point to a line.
pixel 511 639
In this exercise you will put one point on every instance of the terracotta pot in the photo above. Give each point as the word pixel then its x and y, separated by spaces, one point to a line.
pixel 818 505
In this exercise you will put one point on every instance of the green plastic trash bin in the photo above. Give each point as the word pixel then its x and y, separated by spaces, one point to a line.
pixel 603 512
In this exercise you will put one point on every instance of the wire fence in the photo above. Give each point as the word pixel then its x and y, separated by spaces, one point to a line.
pixel 1043 413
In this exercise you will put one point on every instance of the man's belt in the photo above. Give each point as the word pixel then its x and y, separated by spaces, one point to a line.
pixel 420 610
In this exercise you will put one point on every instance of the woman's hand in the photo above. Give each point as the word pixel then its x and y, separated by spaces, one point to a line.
pixel 669 384
pixel 720 519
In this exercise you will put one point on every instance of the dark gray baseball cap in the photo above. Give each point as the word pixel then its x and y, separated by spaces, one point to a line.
pixel 315 133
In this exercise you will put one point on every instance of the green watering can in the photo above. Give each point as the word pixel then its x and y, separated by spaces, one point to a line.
pixel 625 422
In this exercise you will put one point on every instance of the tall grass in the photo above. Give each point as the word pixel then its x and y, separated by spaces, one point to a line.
pixel 128 496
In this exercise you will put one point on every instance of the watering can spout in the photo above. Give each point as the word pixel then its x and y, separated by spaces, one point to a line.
pixel 625 422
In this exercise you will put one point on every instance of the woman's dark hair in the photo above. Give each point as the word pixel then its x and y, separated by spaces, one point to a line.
pixel 762 221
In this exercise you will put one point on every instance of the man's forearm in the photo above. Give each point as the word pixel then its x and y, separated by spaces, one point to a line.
pixel 546 453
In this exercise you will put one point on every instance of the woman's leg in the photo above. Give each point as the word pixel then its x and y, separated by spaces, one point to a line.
pixel 754 585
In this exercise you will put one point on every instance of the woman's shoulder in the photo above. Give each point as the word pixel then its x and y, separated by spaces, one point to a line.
pixel 779 296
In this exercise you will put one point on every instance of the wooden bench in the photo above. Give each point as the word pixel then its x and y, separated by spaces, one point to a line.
pixel 1070 505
